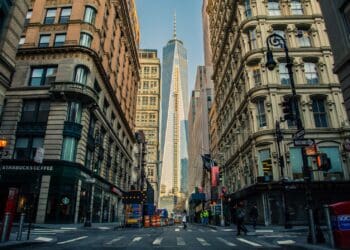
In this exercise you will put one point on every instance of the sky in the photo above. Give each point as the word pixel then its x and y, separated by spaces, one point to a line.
pixel 156 26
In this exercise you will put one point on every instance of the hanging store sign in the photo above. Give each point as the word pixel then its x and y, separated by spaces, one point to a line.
pixel 26 168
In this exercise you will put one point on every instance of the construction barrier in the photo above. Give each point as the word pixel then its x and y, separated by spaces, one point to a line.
pixel 153 221
pixel 147 221
pixel 158 221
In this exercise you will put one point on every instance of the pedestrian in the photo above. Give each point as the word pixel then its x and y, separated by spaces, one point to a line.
pixel 184 219
pixel 202 217
pixel 206 217
pixel 254 214
pixel 240 219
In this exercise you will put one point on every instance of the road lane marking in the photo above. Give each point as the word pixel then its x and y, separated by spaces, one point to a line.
pixel 68 241
pixel 45 239
pixel 114 240
pixel 180 241
pixel 286 242
pixel 136 239
pixel 213 230
pixel 177 229
pixel 157 241
pixel 263 231
pixel 201 230
pixel 42 233
pixel 227 230
pixel 104 228
pixel 226 242
pixel 68 228
pixel 203 242
pixel 249 242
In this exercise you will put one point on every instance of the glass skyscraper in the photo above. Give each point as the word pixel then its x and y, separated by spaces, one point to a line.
pixel 174 124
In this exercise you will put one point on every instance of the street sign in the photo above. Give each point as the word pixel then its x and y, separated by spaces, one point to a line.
pixel 299 134
pixel 303 142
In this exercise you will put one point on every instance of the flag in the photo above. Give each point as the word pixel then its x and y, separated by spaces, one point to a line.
pixel 207 161
pixel 214 176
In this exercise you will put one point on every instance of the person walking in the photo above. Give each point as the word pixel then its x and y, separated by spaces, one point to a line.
pixel 254 214
pixel 240 219
pixel 184 219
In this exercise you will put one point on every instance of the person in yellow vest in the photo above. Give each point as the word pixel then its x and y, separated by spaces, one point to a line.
pixel 202 217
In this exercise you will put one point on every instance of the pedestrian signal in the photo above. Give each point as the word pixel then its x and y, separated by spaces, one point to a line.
pixel 323 162
pixel 287 108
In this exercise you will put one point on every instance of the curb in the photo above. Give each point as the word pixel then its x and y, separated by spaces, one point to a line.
pixel 23 244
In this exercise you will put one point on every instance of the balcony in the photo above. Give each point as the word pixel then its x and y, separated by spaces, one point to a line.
pixel 73 90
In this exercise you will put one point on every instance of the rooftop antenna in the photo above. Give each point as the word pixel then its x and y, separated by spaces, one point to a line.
pixel 174 25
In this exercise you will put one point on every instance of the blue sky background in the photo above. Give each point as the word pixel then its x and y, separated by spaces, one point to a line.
pixel 156 26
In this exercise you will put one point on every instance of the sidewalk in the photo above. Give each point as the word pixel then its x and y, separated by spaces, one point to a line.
pixel 33 240
pixel 103 226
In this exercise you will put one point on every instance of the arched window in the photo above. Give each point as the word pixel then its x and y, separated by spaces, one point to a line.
pixel 80 74
pixel 85 39
pixel 90 15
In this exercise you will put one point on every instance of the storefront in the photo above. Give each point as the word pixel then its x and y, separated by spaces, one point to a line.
pixel 59 192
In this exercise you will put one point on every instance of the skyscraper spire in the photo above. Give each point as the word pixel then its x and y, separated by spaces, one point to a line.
pixel 174 25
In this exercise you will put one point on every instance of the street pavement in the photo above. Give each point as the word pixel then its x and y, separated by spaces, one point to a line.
pixel 171 237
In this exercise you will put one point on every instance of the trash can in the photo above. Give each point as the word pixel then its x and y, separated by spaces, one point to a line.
pixel 340 214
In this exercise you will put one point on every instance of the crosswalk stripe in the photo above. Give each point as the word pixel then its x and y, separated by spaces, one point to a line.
pixel 157 241
pixel 213 230
pixel 177 229
pixel 44 239
pixel 180 241
pixel 286 242
pixel 227 230
pixel 136 239
pixel 249 242
pixel 226 242
pixel 68 241
pixel 115 240
pixel 203 242
pixel 42 233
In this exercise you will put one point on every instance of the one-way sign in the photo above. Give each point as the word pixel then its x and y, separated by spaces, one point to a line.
pixel 303 142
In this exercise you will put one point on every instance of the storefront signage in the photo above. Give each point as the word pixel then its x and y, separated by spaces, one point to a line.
pixel 344 222
pixel 26 168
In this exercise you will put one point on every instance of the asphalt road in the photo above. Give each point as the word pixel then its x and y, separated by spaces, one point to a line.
pixel 171 237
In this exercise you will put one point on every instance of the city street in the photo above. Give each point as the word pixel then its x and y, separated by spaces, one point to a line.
pixel 172 237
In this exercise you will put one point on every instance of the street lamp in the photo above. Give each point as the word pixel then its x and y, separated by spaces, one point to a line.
pixel 276 40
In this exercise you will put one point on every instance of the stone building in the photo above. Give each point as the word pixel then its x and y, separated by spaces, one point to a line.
pixel 70 111
pixel 248 102
pixel 148 114
pixel 337 18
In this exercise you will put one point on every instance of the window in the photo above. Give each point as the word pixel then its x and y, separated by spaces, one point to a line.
pixel 69 149
pixel 261 116
pixel 248 10
pixel 88 159
pixel 50 16
pixel 74 112
pixel 320 115
pixel 65 14
pixel 42 76
pixel 25 147
pixel 59 40
pixel 265 164
pixel 28 17
pixel 257 76
pixel 296 7
pixel 144 100
pixel 334 155
pixel 293 123
pixel 304 39
pixel 81 73
pixel 296 163
pixel 252 39
pixel 35 111
pixel 154 70
pixel 274 8
pixel 146 70
pixel 146 85
pixel 92 124
pixel 85 39
pixel 90 15
pixel 311 74
pixel 152 101
pixel 22 40
pixel 284 75
pixel 280 32
pixel 44 41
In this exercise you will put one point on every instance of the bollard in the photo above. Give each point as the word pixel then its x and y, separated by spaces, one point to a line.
pixel 20 230
pixel 329 225
pixel 5 227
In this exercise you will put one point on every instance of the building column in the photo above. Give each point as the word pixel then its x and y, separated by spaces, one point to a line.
pixel 102 201
pixel 110 208
pixel 42 202
pixel 77 202
pixel 91 205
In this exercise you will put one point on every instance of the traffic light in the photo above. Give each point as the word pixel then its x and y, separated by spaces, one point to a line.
pixel 287 108
pixel 323 162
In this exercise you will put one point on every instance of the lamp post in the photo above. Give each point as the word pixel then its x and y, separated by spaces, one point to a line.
pixel 276 40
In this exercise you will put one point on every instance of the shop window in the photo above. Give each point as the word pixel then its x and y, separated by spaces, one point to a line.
pixel 69 149
pixel 85 39
pixel 320 114
pixel 65 14
pixel 25 147
pixel 90 15
pixel 35 111
pixel 296 7
pixel 247 8
pixel 44 75
pixel 81 74
pixel 50 16
pixel 74 112
pixel 28 17
pixel 284 75
pixel 59 40
pixel 274 8
pixel 44 41
pixel 311 74
pixel 261 115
